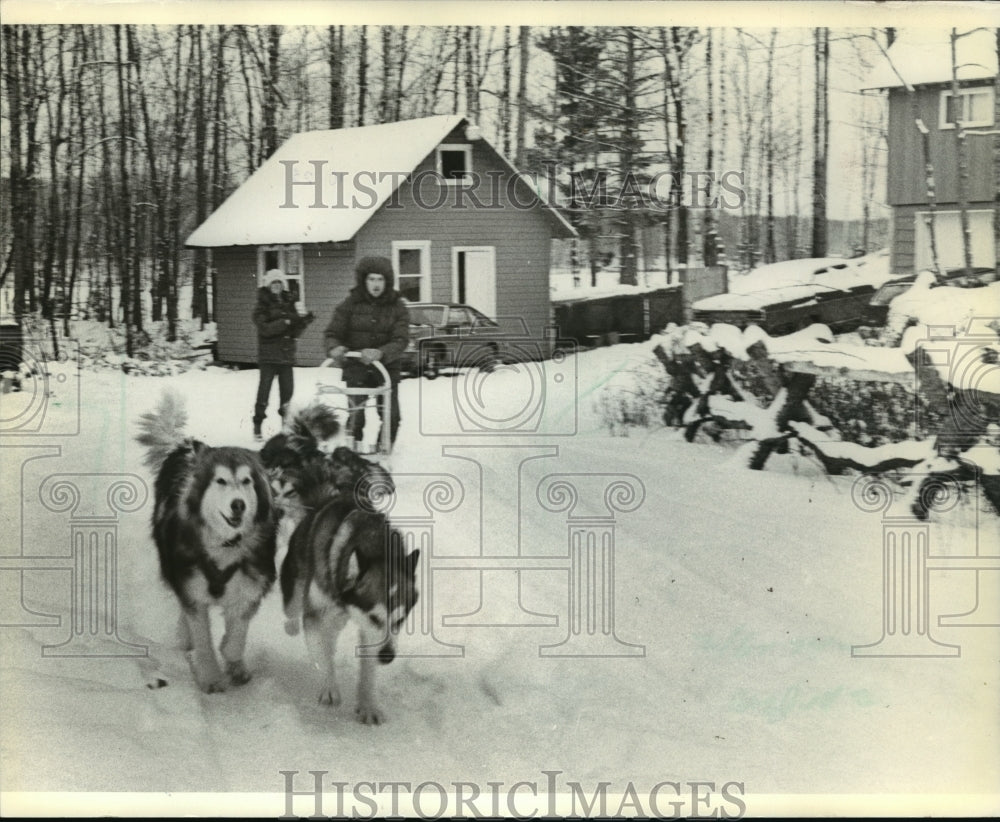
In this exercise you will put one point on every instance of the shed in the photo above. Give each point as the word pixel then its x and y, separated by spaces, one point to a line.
pixel 917 74
pixel 458 221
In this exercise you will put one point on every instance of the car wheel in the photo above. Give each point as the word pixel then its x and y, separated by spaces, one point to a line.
pixel 491 360
pixel 430 368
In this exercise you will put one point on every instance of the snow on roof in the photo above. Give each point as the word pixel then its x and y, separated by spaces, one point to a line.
pixel 922 56
pixel 360 169
pixel 798 279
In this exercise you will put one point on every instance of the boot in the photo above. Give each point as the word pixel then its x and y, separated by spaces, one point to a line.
pixel 257 435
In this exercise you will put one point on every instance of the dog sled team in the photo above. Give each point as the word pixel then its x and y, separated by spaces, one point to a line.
pixel 221 511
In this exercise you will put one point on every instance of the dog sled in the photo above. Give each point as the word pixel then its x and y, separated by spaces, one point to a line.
pixel 381 394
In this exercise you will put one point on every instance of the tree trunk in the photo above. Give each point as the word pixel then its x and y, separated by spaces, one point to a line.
pixel 522 92
pixel 821 138
pixel 124 210
pixel 335 59
pixel 708 246
pixel 362 75
pixel 199 269
pixel 505 94
pixel 962 158
pixel 269 135
pixel 769 249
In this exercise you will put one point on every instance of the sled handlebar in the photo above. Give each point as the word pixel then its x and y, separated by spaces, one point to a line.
pixel 356 355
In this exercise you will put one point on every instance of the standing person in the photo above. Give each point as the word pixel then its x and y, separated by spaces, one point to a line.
pixel 373 320
pixel 278 325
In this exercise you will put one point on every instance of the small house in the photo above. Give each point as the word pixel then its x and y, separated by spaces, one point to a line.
pixel 923 60
pixel 458 221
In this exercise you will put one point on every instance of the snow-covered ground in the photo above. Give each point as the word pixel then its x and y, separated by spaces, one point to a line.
pixel 737 598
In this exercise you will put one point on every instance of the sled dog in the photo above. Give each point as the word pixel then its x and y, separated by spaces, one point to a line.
pixel 214 528
pixel 345 563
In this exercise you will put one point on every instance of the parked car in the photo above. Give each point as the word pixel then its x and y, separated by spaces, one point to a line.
pixel 786 296
pixel 452 335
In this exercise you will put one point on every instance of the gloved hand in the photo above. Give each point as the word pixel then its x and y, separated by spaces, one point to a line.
pixel 337 355
pixel 370 355
pixel 307 318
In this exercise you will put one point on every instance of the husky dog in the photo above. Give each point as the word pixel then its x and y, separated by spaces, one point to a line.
pixel 304 475
pixel 214 528
pixel 346 563
pixel 344 560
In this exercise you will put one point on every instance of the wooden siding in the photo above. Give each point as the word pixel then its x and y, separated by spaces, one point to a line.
pixel 904 234
pixel 522 237
pixel 328 274
pixel 906 174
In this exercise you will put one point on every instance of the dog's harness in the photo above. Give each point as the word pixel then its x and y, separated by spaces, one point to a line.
pixel 218 578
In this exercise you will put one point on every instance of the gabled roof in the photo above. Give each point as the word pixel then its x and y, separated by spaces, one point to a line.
pixel 363 168
pixel 923 56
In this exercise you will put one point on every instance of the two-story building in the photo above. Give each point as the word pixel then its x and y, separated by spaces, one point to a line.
pixel 918 78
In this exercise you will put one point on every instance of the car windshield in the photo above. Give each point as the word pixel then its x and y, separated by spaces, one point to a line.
pixel 426 314
pixel 478 318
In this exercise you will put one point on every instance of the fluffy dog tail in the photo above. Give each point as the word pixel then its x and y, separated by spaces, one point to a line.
pixel 310 426
pixel 162 430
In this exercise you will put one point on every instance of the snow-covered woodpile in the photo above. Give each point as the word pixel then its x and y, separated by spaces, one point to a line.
pixel 928 408
pixel 99 348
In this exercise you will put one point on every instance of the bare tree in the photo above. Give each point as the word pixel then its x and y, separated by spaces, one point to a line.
pixel 522 91
pixel 821 141
pixel 335 59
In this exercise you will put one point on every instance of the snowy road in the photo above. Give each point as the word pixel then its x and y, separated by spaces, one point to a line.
pixel 737 597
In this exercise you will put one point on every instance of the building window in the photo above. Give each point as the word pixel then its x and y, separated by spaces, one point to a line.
pixel 287 258
pixel 412 262
pixel 948 240
pixel 454 164
pixel 972 108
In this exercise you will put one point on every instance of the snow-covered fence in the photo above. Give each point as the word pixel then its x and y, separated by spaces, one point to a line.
pixel 764 387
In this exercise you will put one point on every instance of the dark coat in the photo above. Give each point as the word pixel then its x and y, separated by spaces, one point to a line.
pixel 362 321
pixel 278 324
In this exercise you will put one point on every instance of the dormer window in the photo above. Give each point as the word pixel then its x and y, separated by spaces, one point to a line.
pixel 973 108
pixel 454 164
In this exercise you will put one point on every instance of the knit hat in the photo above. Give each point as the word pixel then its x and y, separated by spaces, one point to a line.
pixel 274 275
pixel 375 265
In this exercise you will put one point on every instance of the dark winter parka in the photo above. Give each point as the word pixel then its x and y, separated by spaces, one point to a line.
pixel 363 321
pixel 278 324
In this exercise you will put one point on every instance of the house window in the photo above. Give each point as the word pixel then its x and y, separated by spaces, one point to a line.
pixel 948 239
pixel 973 107
pixel 288 258
pixel 412 262
pixel 454 164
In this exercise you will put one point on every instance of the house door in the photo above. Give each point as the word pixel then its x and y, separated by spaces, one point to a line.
pixel 475 278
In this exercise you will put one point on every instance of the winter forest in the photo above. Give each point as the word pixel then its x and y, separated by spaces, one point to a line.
pixel 691 567
pixel 120 139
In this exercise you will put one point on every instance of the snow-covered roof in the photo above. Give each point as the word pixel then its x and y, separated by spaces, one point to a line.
pixel 922 56
pixel 360 169
pixel 798 280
